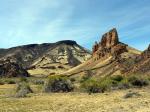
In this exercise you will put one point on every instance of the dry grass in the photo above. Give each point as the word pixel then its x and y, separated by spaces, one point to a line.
pixel 75 102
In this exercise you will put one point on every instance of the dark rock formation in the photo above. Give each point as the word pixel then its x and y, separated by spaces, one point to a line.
pixel 12 69
pixel 109 46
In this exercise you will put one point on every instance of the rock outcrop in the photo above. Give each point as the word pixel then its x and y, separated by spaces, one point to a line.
pixel 109 46
pixel 12 69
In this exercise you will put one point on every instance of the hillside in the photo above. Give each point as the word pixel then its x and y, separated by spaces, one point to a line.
pixel 109 57
pixel 47 58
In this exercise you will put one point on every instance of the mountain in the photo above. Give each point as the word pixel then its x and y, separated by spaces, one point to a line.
pixel 109 57
pixel 47 58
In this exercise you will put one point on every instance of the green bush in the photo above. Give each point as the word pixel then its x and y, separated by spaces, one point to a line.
pixel 96 86
pixel 23 79
pixel 22 90
pixel 8 80
pixel 11 82
pixel 85 78
pixel 124 84
pixel 117 78
pixel 58 84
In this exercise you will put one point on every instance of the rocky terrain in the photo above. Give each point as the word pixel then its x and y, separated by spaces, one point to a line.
pixel 47 58
pixel 109 57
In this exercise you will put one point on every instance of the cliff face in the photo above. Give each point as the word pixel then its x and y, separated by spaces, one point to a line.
pixel 108 46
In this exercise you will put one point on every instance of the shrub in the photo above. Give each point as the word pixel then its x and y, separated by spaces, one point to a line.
pixel 96 86
pixel 22 90
pixel 124 84
pixel 58 84
pixel 2 83
pixel 137 81
pixel 117 78
pixel 90 86
pixel 39 82
pixel 23 79
pixel 11 82
pixel 72 79
pixel 36 81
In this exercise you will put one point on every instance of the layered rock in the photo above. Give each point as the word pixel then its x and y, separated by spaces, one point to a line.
pixel 12 69
pixel 109 46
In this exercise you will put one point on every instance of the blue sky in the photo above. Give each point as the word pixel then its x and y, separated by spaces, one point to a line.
pixel 44 21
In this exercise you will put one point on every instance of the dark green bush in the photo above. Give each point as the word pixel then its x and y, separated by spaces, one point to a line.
pixel 58 84
pixel 22 89
pixel 138 81
pixel 117 78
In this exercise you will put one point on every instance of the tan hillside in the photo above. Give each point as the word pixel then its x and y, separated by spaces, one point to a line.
pixel 59 59
pixel 47 58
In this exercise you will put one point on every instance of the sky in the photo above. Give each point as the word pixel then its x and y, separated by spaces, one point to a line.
pixel 85 21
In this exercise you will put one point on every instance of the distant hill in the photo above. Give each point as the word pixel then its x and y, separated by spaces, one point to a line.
pixel 47 58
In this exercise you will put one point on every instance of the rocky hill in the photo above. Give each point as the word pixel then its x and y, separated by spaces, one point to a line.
pixel 109 57
pixel 47 58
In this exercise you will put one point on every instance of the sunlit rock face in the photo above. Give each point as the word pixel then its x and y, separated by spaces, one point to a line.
pixel 108 46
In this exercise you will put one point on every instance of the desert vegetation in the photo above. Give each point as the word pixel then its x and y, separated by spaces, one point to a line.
pixel 58 84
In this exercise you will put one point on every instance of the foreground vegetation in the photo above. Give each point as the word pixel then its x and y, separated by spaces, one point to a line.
pixel 64 94
pixel 75 102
